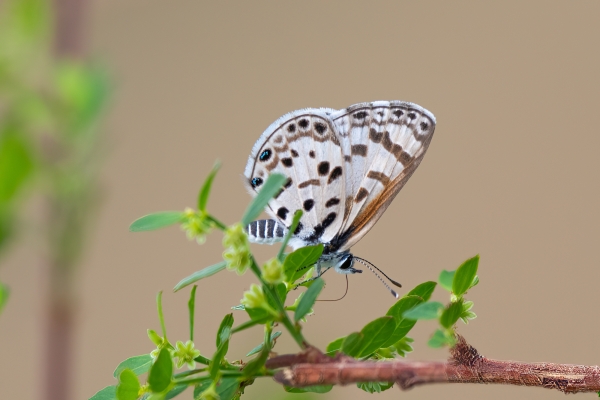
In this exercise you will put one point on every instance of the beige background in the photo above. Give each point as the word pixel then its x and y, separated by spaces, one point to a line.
pixel 512 174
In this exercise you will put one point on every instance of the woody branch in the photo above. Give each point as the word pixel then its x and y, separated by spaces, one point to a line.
pixel 465 365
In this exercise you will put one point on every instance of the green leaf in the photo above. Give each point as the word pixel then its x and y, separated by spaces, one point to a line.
pixel 374 335
pixel 203 273
pixel 223 336
pixel 258 348
pixel 428 310
pixel 268 190
pixel 227 388
pixel 374 387
pixel 159 377
pixel 129 386
pixel 451 314
pixel 424 290
pixel 335 346
pixel 16 163
pixel 138 364
pixel 308 300
pixel 205 191
pixel 156 221
pixel 465 276
pixel 4 294
pixel 403 346
pixel 446 278
pixel 289 233
pixel 176 391
pixel 259 315
pixel 224 332
pixel 191 309
pixel 309 389
pixel 108 393
pixel 440 339
pixel 466 313
pixel 256 363
pixel 403 325
pixel 296 263
pixel 352 343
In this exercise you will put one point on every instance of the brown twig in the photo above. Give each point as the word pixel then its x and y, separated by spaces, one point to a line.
pixel 465 365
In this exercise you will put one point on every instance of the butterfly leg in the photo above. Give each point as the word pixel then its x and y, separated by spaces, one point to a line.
pixel 320 273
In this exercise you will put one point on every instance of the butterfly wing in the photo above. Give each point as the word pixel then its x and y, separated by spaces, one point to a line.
pixel 303 146
pixel 382 143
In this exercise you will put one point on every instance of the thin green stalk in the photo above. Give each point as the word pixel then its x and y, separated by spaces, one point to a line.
pixel 224 374
pixel 217 223
pixel 245 325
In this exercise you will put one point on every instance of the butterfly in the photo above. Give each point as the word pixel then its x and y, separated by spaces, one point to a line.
pixel 343 168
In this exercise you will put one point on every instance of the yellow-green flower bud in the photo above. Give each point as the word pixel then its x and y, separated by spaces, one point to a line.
pixel 196 225
pixel 273 271
pixel 255 298
pixel 237 249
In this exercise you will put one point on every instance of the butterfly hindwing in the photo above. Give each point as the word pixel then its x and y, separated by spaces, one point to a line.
pixel 383 143
pixel 304 147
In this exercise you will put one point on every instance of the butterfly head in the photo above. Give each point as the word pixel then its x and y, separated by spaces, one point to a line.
pixel 344 263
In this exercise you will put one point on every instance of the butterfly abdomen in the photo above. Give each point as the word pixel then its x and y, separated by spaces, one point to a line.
pixel 265 231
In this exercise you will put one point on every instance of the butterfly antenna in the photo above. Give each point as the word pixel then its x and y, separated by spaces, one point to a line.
pixel 345 293
pixel 371 266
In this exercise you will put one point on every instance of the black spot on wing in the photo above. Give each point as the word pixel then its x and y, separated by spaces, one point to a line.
pixel 320 128
pixel 287 162
pixel 308 204
pixel 291 128
pixel 332 202
pixel 360 115
pixel 282 213
pixel 335 173
pixel 265 155
pixel 303 123
pixel 256 182
pixel 323 168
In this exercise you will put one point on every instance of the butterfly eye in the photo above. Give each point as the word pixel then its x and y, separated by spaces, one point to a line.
pixel 265 155
pixel 256 182
pixel 348 262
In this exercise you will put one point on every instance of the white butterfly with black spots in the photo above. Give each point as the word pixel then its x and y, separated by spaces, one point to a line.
pixel 344 168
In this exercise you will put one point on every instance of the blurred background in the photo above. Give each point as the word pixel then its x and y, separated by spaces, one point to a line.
pixel 114 109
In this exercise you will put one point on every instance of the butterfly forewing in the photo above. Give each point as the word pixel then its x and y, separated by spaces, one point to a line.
pixel 304 147
pixel 383 143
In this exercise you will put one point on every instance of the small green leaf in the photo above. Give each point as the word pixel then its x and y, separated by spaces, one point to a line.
pixel 4 294
pixel 289 233
pixel 138 364
pixel 296 263
pixel 156 221
pixel 16 162
pixel 203 273
pixel 475 282
pixel 268 190
pixel 446 278
pixel 403 325
pixel 374 387
pixel 176 391
pixel 161 316
pixel 309 389
pixel 108 393
pixel 440 339
pixel 335 346
pixel 375 334
pixel 403 346
pixel 258 348
pixel 451 314
pixel 309 298
pixel 259 315
pixel 424 290
pixel 205 191
pixel 191 309
pixel 352 343
pixel 223 336
pixel 428 310
pixel 228 388
pixel 465 276
pixel 224 332
pixel 129 386
pixel 159 377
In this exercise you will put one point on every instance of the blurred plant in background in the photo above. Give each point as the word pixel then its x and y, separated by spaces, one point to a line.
pixel 51 102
